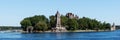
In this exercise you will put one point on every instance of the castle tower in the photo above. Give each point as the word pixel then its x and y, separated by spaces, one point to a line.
pixel 58 20
pixel 113 27
pixel 58 27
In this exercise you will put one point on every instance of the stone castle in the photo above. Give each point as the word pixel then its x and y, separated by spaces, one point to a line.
pixel 58 27
pixel 71 16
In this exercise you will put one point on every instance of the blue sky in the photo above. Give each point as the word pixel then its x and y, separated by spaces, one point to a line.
pixel 13 11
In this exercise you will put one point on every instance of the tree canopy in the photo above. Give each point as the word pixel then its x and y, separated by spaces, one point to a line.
pixel 35 21
pixel 41 26
pixel 40 22
pixel 25 23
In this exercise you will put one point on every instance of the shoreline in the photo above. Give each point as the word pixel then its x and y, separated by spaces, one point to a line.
pixel 73 31
pixel 21 31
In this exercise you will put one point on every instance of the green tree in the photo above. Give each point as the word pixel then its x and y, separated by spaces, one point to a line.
pixel 35 19
pixel 52 21
pixel 25 23
pixel 72 24
pixel 108 26
pixel 92 24
pixel 105 25
pixel 32 21
pixel 64 21
pixel 83 23
pixel 41 26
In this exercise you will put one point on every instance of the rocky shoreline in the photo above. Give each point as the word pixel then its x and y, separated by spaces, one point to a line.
pixel 21 31
pixel 72 31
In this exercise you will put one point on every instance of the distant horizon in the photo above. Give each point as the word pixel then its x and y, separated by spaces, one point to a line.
pixel 13 11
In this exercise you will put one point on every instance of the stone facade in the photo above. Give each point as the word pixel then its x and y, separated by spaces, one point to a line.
pixel 58 19
pixel 29 29
pixel 71 16
pixel 58 27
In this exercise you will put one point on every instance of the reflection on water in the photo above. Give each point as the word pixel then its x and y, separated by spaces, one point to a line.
pixel 115 35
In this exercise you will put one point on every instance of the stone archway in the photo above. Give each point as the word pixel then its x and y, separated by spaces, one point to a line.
pixel 29 29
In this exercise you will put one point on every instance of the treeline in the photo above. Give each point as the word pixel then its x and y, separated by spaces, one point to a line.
pixel 41 23
pixel 9 27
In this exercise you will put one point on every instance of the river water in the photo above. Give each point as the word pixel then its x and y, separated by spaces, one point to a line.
pixel 111 35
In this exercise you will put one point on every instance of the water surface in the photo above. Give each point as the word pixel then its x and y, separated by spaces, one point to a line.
pixel 114 35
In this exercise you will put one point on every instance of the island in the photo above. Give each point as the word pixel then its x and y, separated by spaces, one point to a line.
pixel 63 23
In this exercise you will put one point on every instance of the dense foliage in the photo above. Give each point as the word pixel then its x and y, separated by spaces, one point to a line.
pixel 25 23
pixel 41 23
pixel 41 26
pixel 10 28
pixel 72 24
pixel 93 24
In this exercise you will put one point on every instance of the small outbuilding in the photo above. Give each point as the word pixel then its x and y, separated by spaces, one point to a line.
pixel 29 29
